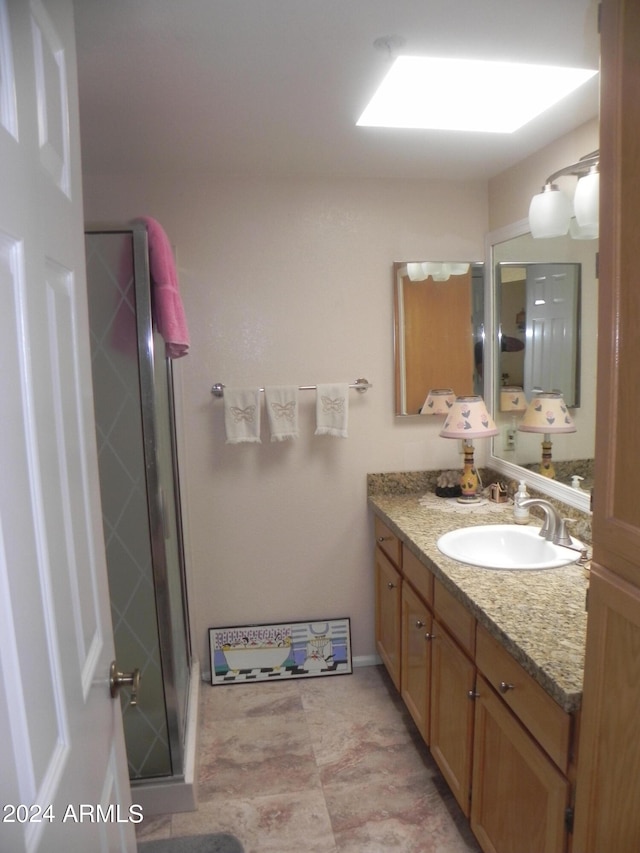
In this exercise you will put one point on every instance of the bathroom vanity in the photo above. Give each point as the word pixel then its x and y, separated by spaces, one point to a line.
pixel 490 666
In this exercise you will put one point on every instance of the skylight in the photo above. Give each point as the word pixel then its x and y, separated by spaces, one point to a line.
pixel 467 94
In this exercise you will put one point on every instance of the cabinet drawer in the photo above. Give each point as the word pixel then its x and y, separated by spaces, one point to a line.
pixel 389 542
pixel 543 717
pixel 459 622
pixel 418 575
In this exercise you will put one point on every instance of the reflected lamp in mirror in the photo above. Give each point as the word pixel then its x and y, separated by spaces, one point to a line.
pixel 512 399
pixel 469 419
pixel 547 413
pixel 439 402
pixel 552 214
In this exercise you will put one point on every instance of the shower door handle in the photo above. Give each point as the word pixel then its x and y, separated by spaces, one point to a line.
pixel 119 679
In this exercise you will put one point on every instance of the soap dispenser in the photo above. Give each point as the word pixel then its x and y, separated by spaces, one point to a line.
pixel 521 513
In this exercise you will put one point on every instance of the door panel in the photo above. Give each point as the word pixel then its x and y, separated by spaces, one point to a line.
pixel 63 749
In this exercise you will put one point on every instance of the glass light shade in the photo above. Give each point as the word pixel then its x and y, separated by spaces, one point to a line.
pixel 549 213
pixel 586 201
pixel 547 412
pixel 469 418
pixel 439 402
pixel 416 272
pixel 459 269
pixel 577 232
pixel 512 399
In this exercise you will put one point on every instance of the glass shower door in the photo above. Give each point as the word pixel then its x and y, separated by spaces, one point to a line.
pixel 140 499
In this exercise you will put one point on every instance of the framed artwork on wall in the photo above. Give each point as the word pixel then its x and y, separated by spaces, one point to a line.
pixel 245 653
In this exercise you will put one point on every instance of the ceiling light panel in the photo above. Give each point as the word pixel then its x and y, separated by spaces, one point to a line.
pixel 467 94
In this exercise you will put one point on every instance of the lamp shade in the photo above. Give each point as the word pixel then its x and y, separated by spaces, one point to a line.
pixel 586 201
pixel 512 399
pixel 549 213
pixel 468 418
pixel 547 412
pixel 439 402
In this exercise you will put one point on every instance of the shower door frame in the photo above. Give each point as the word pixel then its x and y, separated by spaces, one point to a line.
pixel 176 723
pixel 155 504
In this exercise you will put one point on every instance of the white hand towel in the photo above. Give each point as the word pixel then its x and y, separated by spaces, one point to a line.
pixel 242 415
pixel 282 409
pixel 332 409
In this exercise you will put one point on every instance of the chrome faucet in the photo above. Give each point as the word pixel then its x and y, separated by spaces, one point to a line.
pixel 554 528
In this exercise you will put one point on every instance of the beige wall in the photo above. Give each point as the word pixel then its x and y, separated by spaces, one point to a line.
pixel 290 281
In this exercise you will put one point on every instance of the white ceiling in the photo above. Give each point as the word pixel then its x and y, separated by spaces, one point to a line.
pixel 274 87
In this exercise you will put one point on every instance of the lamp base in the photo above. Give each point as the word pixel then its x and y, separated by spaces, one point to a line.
pixel 469 480
pixel 469 499
pixel 546 465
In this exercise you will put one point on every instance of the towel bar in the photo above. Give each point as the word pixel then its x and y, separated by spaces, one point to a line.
pixel 361 386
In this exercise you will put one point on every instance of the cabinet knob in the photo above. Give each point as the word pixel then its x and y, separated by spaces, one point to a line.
pixel 429 636
pixel 419 624
pixel 390 585
pixel 383 538
pixel 505 687
pixel 473 694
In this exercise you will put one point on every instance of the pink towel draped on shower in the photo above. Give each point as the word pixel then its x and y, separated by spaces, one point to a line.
pixel 168 310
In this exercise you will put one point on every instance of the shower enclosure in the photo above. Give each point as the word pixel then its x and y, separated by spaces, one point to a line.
pixel 135 426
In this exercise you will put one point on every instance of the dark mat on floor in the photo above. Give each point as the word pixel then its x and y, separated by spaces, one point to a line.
pixel 219 842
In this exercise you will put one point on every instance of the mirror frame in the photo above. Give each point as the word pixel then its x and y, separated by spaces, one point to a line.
pixel 559 491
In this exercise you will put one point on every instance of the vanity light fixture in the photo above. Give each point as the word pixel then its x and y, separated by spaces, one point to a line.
pixel 551 213
pixel 469 419
pixel 422 270
pixel 547 413
pixel 439 402
pixel 467 94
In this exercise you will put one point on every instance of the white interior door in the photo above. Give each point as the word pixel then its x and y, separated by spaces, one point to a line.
pixel 552 330
pixel 63 778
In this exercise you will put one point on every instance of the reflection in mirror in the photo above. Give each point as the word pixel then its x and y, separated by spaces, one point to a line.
pixel 539 327
pixel 438 330
pixel 513 252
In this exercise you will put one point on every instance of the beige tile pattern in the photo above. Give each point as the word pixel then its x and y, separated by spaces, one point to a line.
pixel 319 765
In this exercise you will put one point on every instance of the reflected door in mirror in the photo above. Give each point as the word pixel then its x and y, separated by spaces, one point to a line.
pixel 434 338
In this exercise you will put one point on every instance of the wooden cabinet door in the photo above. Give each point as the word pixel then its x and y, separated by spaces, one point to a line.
pixel 616 519
pixel 388 615
pixel 416 658
pixel 519 796
pixel 608 778
pixel 452 708
pixel 608 785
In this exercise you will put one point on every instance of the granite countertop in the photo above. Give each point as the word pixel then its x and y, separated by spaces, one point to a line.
pixel 538 616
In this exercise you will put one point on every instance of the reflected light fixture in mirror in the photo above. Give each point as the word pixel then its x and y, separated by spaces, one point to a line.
pixel 468 419
pixel 547 413
pixel 439 402
pixel 551 211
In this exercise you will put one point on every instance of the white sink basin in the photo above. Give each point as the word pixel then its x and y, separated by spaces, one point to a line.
pixel 505 546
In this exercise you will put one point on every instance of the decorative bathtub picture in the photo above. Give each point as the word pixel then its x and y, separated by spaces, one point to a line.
pixel 242 654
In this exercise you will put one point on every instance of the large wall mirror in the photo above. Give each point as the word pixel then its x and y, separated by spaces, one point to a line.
pixel 535 349
pixel 438 330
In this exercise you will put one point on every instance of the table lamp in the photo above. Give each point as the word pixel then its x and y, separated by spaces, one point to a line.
pixel 468 418
pixel 438 402
pixel 547 413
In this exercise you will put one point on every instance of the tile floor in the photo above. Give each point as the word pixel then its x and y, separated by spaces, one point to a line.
pixel 319 765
